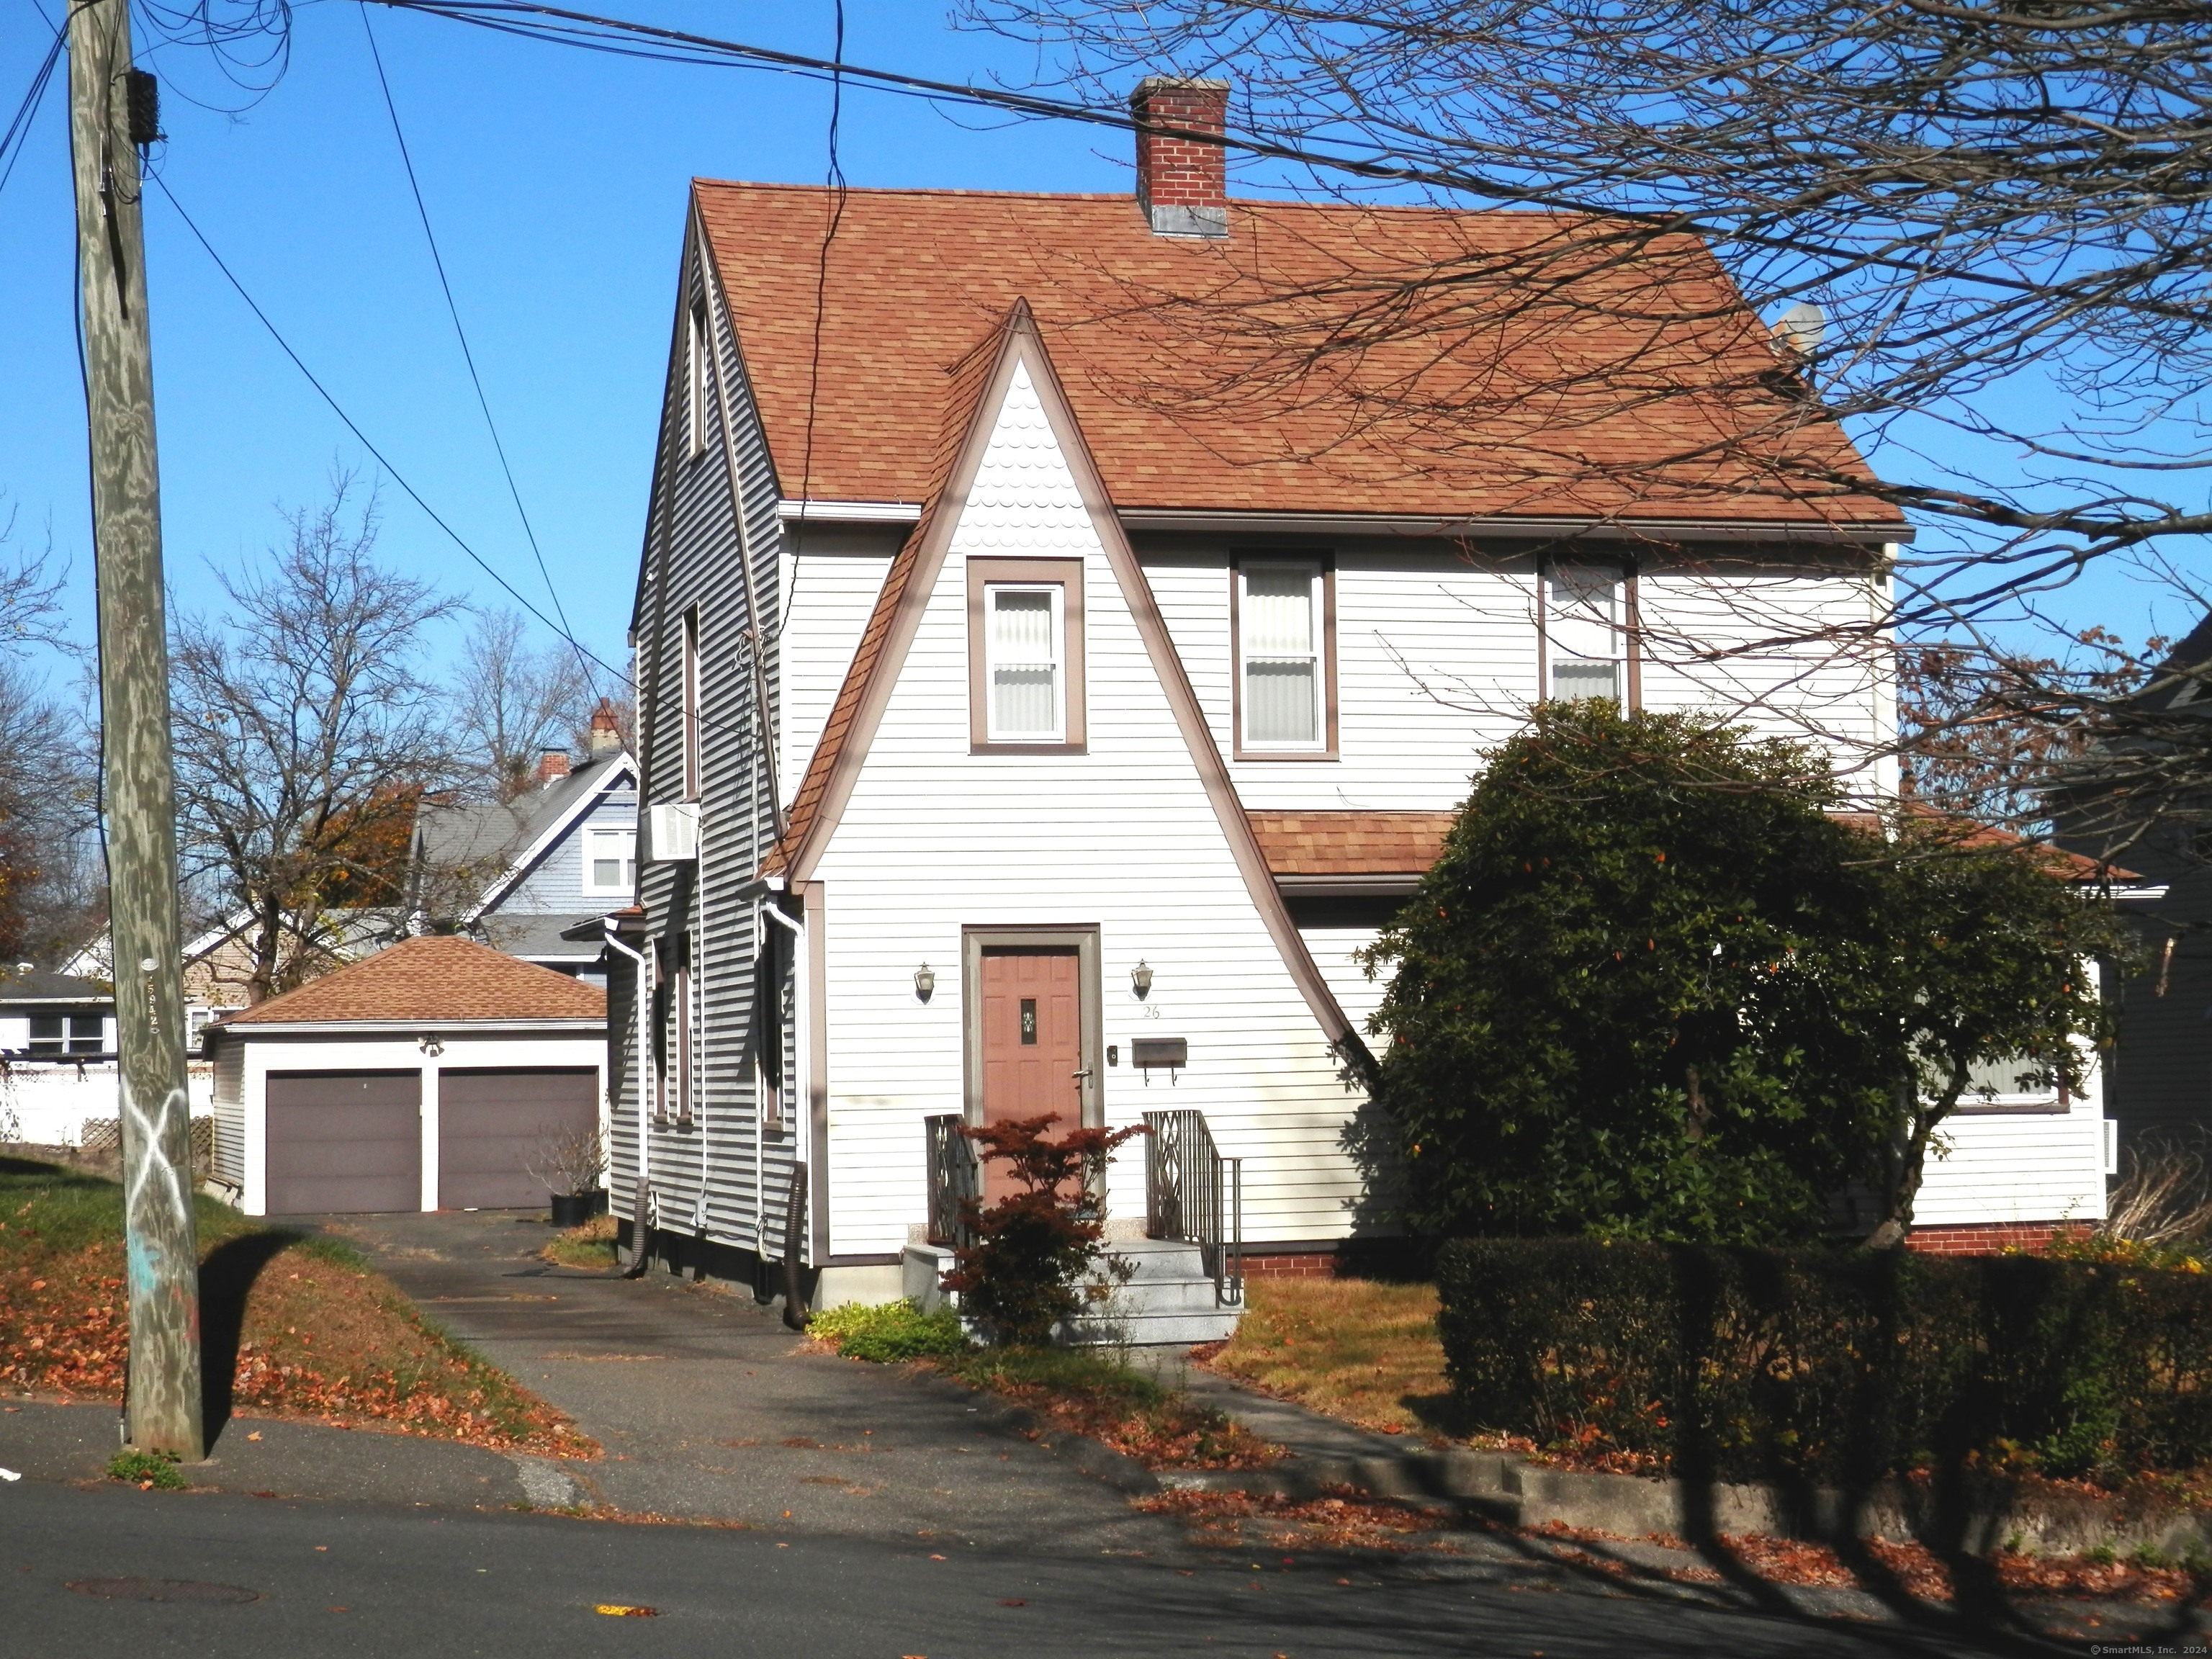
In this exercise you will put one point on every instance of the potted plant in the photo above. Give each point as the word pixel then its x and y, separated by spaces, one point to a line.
pixel 572 1163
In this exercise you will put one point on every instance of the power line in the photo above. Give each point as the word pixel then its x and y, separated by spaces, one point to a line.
pixel 399 479
pixel 383 460
pixel 19 129
pixel 835 180
pixel 454 311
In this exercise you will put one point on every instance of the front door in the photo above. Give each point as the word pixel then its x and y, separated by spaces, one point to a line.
pixel 1032 1042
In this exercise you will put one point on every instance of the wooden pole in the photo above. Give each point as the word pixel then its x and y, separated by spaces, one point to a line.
pixel 162 1261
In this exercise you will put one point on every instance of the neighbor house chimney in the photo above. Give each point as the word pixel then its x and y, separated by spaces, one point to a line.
pixel 606 730
pixel 552 766
pixel 1183 184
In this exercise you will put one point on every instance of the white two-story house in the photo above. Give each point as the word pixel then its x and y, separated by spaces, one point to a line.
pixel 1033 720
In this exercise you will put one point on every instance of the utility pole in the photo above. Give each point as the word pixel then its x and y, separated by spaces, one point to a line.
pixel 112 111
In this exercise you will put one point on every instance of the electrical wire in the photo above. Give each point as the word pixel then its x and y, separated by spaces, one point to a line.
pixel 18 134
pixel 468 356
pixel 835 181
pixel 352 426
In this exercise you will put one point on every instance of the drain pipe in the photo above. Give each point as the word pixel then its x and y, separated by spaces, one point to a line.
pixel 799 1081
pixel 643 1018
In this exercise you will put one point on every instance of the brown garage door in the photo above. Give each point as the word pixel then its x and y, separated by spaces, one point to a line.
pixel 344 1140
pixel 492 1123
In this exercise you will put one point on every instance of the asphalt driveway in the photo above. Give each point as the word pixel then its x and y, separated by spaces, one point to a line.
pixel 709 1408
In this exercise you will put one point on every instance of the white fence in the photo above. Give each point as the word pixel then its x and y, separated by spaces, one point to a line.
pixel 48 1103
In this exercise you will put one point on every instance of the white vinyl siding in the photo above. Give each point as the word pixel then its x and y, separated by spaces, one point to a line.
pixel 1025 647
pixel 833 581
pixel 1123 838
pixel 1278 619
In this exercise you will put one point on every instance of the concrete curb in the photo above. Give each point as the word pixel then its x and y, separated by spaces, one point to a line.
pixel 1516 1493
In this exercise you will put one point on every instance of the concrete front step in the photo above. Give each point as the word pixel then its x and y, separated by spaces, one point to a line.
pixel 1165 1299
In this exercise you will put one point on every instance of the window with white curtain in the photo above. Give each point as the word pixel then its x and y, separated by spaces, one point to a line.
pixel 1583 633
pixel 1278 624
pixel 1025 647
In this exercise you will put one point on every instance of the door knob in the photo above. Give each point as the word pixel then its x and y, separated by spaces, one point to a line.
pixel 1084 1073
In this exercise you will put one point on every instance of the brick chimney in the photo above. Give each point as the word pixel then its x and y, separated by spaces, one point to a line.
pixel 606 730
pixel 1183 184
pixel 552 766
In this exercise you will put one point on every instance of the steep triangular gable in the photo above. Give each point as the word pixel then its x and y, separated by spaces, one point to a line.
pixel 980 388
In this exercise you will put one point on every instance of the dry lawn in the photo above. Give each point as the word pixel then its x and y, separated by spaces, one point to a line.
pixel 304 1327
pixel 1354 1348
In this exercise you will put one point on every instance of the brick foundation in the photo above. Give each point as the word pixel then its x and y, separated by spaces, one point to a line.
pixel 1320 1264
pixel 1987 1238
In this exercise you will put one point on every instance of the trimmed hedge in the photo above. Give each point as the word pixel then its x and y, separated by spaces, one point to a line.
pixel 1829 1367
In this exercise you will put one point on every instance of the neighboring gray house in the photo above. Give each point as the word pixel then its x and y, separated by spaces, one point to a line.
pixel 513 874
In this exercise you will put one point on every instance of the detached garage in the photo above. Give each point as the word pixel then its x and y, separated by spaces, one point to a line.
pixel 431 1076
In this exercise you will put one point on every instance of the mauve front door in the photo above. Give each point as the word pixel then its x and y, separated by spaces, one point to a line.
pixel 1032 1042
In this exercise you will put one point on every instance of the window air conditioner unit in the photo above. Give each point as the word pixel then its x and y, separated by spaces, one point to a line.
pixel 672 833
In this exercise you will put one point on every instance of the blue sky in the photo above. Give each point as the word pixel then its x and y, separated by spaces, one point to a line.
pixel 555 181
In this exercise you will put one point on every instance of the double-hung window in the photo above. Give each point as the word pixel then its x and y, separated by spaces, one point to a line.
pixel 1026 628
pixel 1025 653
pixel 610 862
pixel 1284 705
pixel 1583 632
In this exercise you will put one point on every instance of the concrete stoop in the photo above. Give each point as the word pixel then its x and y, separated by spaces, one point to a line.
pixel 1154 1293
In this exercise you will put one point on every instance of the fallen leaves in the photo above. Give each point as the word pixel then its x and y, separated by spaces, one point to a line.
pixel 625 1610
pixel 1345 1520
pixel 330 1343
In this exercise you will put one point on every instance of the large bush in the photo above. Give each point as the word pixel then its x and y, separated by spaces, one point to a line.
pixel 1830 1366
pixel 1657 986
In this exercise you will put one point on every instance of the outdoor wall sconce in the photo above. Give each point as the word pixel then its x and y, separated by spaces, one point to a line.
pixel 430 1046
pixel 924 982
pixel 1140 980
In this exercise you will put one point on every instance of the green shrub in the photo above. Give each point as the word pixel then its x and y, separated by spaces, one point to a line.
pixel 1833 1366
pixel 146 1468
pixel 887 1334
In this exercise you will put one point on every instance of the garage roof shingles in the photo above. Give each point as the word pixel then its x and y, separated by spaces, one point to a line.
pixel 439 981
pixel 1642 388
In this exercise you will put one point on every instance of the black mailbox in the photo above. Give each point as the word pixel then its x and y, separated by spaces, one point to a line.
pixel 1174 1052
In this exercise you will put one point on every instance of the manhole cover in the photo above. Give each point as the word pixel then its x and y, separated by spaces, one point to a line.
pixel 164 1589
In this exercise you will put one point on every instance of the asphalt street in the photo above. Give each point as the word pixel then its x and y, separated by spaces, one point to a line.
pixel 295 1578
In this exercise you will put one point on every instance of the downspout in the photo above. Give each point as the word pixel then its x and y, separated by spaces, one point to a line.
pixel 642 1046
pixel 801 1034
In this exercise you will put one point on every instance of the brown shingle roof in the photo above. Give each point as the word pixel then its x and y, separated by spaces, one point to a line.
pixel 1618 398
pixel 438 980
pixel 1351 843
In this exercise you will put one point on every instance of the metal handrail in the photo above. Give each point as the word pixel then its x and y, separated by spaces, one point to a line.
pixel 1193 1193
pixel 956 1176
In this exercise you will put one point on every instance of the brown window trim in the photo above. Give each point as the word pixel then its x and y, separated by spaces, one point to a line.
pixel 1066 574
pixel 1631 627
pixel 1326 562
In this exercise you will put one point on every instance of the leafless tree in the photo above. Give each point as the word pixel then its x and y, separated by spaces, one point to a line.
pixel 513 701
pixel 1977 231
pixel 306 738
pixel 50 888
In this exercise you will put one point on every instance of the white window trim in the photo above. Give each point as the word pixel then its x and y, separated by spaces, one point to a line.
pixel 695 380
pixel 592 889
pixel 1319 744
pixel 1058 597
